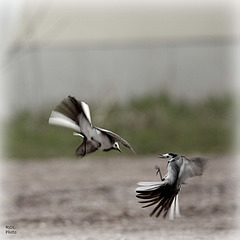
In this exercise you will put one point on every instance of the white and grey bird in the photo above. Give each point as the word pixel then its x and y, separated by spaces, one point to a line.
pixel 75 114
pixel 164 194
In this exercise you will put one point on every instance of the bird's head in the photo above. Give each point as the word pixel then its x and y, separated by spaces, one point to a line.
pixel 167 155
pixel 116 147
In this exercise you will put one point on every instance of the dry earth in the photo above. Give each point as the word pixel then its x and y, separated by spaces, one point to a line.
pixel 94 198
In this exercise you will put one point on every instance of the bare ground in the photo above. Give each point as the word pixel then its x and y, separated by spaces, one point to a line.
pixel 94 198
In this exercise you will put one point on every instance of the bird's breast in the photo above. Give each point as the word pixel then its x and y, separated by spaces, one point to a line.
pixel 173 172
pixel 102 139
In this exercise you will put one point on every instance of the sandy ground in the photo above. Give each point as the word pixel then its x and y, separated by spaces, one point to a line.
pixel 94 198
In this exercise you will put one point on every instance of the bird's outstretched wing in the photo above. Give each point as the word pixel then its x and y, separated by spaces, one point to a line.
pixel 191 167
pixel 117 138
pixel 57 118
pixel 70 112
pixel 160 194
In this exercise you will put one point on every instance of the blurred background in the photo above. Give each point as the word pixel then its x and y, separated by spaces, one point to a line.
pixel 161 74
pixel 150 71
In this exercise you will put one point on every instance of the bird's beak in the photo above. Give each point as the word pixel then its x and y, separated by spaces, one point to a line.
pixel 119 149
pixel 161 156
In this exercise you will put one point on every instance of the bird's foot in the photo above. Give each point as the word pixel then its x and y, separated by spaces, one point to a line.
pixel 159 172
pixel 158 169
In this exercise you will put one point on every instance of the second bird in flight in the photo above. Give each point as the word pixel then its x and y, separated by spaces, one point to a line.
pixel 75 114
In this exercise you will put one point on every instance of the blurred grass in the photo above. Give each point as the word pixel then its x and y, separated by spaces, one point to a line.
pixel 152 124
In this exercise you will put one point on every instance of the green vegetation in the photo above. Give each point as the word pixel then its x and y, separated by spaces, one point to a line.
pixel 152 124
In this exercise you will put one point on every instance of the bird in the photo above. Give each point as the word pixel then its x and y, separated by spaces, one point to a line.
pixel 164 194
pixel 75 114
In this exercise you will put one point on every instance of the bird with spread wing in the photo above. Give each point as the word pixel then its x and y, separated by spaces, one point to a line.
pixel 164 194
pixel 75 114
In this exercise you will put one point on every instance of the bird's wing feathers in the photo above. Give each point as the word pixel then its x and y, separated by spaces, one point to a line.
pixel 78 134
pixel 80 107
pixel 160 194
pixel 59 119
pixel 72 108
pixel 191 167
pixel 67 108
pixel 148 183
pixel 72 114
pixel 117 138
pixel 86 110
pixel 148 186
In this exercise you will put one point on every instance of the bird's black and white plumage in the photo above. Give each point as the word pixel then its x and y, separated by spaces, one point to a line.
pixel 164 194
pixel 75 114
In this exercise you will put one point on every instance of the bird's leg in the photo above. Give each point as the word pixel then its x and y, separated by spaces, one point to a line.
pixel 85 148
pixel 159 172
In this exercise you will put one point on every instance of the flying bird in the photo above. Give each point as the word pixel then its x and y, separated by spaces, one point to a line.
pixel 75 114
pixel 164 194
